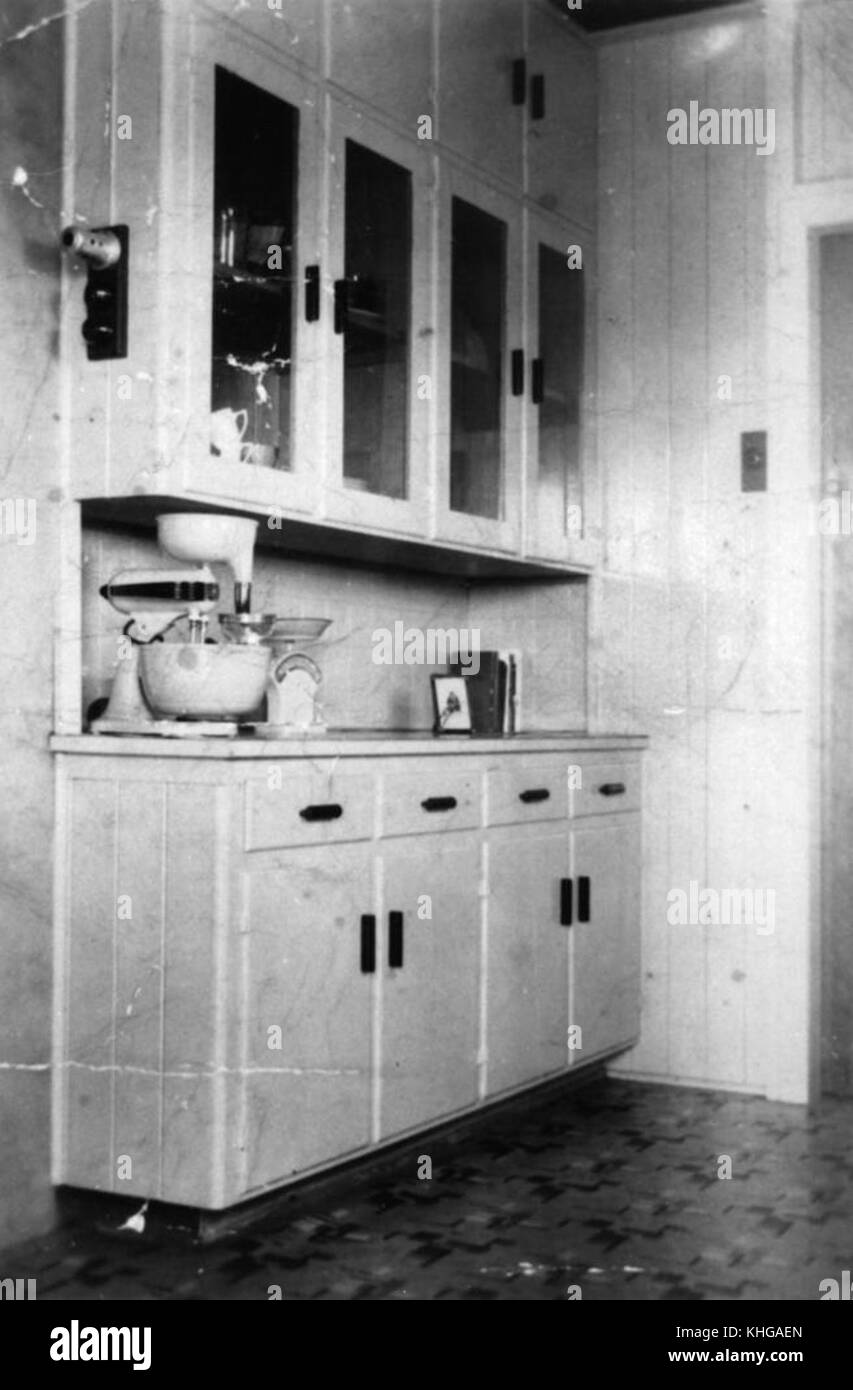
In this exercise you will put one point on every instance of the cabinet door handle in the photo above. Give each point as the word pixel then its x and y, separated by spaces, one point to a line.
pixel 340 306
pixel 537 97
pixel 517 371
pixel 439 803
pixel 519 82
pixel 312 293
pixel 395 940
pixel 612 788
pixel 565 902
pixel 534 794
pixel 325 811
pixel 368 943
pixel 583 899
pixel 537 380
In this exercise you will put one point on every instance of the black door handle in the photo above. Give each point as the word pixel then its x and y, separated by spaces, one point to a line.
pixel 368 944
pixel 395 940
pixel 340 305
pixel 312 293
pixel 537 380
pixel 565 902
pixel 534 794
pixel 439 803
pixel 612 788
pixel 329 811
pixel 517 371
pixel 519 81
pixel 537 97
pixel 583 899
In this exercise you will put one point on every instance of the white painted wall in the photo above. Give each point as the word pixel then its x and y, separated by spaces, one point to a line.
pixel 707 610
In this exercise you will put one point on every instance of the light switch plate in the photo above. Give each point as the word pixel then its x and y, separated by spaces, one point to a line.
pixel 753 461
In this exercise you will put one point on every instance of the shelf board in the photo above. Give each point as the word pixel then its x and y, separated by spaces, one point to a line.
pixel 326 541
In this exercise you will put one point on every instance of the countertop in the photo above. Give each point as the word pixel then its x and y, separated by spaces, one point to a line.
pixel 341 743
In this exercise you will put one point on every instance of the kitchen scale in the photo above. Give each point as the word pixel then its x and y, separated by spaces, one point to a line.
pixel 293 685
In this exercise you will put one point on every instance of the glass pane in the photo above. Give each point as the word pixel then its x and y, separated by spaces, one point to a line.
pixel 377 270
pixel 559 494
pixel 476 396
pixel 253 259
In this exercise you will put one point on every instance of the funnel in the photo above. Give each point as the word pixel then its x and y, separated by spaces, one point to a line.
pixel 203 536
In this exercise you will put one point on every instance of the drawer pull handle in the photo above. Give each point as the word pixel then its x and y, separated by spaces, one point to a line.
pixel 583 899
pixel 368 944
pixel 395 940
pixel 325 811
pixel 534 794
pixel 612 788
pixel 565 902
pixel 439 803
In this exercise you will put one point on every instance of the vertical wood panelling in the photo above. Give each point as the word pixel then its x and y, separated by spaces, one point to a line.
pixel 90 1060
pixel 138 982
pixel 688 250
pixel 714 995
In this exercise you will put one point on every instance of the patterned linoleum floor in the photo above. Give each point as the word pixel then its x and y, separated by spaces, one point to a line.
pixel 614 1188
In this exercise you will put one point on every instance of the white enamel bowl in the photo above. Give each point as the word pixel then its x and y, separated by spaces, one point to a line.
pixel 203 681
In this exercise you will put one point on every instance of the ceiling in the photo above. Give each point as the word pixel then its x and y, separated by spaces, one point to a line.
pixel 595 15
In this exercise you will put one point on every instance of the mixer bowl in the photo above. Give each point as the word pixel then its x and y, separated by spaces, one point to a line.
pixel 203 681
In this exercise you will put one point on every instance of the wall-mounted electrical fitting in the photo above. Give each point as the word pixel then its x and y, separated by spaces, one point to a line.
pixel 105 251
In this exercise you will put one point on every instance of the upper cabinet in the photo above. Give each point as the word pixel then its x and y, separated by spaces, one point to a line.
pixel 562 118
pixel 382 54
pixel 350 297
pixel 480 116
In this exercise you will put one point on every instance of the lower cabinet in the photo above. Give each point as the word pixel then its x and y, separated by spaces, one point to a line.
pixel 430 973
pixel 605 934
pixel 305 1014
pixel 527 955
pixel 362 950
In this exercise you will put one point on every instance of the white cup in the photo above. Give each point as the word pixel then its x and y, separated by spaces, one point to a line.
pixel 227 428
pixel 261 454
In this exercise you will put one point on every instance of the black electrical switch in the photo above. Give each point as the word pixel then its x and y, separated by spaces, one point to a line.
pixel 753 461
pixel 105 250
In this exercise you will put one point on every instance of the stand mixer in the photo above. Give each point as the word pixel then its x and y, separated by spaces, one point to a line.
pixel 187 688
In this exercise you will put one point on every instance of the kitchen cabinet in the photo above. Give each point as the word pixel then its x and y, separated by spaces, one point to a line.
pixel 383 54
pixel 561 520
pixel 478 45
pixel 430 966
pixel 305 1014
pixel 561 132
pixel 481 313
pixel 527 967
pixel 605 1001
pixel 309 254
pixel 272 958
pixel 379 258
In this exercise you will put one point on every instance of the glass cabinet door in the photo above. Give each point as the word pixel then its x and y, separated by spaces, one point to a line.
pixel 378 273
pixel 558 522
pixel 478 349
pixel 254 256
pixel 373 311
pixel 480 447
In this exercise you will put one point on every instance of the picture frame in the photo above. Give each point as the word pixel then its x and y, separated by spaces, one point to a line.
pixel 450 703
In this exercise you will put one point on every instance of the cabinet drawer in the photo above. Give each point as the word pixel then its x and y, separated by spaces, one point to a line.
pixel 607 787
pixel 309 808
pixel 528 793
pixel 422 802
